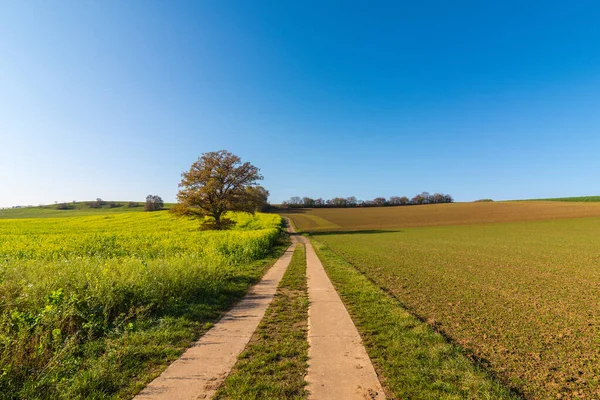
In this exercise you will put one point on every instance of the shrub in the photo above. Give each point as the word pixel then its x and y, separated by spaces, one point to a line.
pixel 153 203
pixel 65 206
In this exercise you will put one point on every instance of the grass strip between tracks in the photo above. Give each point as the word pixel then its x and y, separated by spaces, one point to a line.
pixel 274 363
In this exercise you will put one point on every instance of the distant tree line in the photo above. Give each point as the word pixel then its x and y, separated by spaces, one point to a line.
pixel 421 198
pixel 99 203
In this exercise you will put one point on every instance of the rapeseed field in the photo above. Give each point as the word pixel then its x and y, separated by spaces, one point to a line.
pixel 95 306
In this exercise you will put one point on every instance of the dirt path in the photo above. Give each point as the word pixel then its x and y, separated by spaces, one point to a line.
pixel 338 366
pixel 202 368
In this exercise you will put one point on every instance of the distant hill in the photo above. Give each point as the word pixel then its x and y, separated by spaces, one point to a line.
pixel 79 208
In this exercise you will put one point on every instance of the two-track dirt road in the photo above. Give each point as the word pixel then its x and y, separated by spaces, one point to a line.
pixel 339 367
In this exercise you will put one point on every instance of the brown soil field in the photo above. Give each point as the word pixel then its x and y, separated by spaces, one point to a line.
pixel 514 284
pixel 335 219
pixel 522 297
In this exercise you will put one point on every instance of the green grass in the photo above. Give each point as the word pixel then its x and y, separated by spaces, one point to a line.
pixel 521 297
pixel 415 361
pixel 570 199
pixel 274 363
pixel 95 306
pixel 78 209
pixel 122 363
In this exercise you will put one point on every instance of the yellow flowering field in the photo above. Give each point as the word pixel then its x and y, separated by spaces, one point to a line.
pixel 90 306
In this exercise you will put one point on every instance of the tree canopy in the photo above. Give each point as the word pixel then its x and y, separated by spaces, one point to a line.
pixel 153 203
pixel 216 183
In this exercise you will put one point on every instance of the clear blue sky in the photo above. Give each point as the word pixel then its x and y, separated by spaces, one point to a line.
pixel 114 99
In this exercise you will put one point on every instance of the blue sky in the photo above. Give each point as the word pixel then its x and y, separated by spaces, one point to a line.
pixel 114 99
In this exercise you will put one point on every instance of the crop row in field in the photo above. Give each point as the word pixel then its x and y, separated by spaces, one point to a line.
pixel 521 297
pixel 75 291
pixel 334 219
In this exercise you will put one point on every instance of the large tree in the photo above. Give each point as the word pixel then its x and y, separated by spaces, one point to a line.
pixel 216 183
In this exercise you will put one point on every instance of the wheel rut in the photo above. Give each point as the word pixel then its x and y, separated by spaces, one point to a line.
pixel 339 366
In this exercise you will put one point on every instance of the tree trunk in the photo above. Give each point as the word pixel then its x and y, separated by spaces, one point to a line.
pixel 217 220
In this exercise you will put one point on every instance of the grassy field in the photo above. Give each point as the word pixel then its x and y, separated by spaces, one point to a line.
pixel 274 363
pixel 79 209
pixel 580 199
pixel 333 219
pixel 521 298
pixel 96 306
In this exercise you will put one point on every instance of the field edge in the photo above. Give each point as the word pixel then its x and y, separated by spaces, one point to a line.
pixel 411 357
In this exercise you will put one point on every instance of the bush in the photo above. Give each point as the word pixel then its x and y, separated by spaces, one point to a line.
pixel 96 204
pixel 153 203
